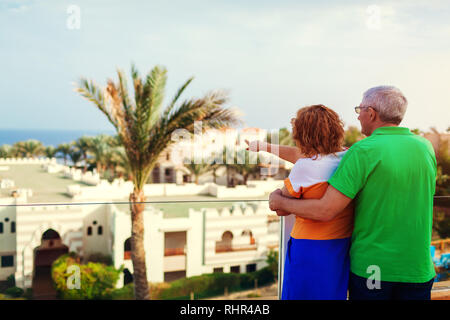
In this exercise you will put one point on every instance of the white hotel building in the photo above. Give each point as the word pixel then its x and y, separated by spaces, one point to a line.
pixel 84 217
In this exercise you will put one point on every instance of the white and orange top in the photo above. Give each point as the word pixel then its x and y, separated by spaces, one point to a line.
pixel 308 180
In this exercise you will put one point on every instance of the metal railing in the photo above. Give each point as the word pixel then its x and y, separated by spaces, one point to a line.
pixel 439 202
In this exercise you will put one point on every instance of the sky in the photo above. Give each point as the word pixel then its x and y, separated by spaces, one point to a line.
pixel 272 57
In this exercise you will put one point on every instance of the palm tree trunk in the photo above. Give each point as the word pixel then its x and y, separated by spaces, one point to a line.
pixel 141 289
pixel 85 163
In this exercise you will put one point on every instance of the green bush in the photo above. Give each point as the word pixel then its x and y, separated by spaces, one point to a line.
pixel 100 258
pixel 272 261
pixel 11 281
pixel 124 293
pixel 28 294
pixel 213 284
pixel 97 280
pixel 14 292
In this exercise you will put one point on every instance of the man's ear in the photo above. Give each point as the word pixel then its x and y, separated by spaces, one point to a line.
pixel 373 114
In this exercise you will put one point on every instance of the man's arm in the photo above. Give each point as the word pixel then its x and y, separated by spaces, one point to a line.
pixel 324 209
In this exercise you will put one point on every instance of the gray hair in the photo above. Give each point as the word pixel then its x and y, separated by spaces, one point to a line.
pixel 388 101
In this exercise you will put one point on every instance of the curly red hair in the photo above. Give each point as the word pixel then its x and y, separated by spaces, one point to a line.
pixel 318 130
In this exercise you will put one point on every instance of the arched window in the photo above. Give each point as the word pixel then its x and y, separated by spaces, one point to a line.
pixel 127 249
pixel 1 227
pixel 248 233
pixel 100 230
pixel 225 244
pixel 50 234
pixel 13 227
pixel 89 231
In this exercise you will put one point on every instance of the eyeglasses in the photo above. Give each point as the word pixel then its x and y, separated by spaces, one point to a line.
pixel 358 109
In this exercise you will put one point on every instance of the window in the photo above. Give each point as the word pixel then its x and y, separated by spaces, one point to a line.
pixel 7 261
pixel 13 227
pixel 127 249
pixel 100 230
pixel 218 270
pixel 251 267
pixel 235 269
pixel 89 231
pixel 1 227
pixel 168 172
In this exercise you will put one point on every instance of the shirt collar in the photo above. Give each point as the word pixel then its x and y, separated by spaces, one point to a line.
pixel 392 130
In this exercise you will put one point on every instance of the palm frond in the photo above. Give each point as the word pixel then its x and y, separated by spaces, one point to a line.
pixel 93 93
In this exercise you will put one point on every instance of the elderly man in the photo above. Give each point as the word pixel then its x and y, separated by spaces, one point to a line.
pixel 391 176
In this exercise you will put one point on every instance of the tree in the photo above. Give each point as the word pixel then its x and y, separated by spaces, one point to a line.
pixel 121 164
pixel 352 135
pixel 100 148
pixel 5 151
pixel 145 131
pixel 272 262
pixel 199 169
pixel 64 150
pixel 29 148
pixel 416 131
pixel 243 164
pixel 84 144
pixel 75 155
pixel 50 151
pixel 284 137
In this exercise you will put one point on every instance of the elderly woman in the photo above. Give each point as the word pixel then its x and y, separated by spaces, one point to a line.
pixel 317 263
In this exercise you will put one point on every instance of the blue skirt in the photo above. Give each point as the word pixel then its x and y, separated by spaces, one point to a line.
pixel 316 269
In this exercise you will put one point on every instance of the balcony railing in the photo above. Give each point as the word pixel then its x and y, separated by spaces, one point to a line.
pixel 174 252
pixel 242 247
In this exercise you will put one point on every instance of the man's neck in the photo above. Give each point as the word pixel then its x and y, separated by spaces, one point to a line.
pixel 383 125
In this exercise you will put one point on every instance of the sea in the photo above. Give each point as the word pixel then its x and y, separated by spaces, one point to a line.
pixel 47 137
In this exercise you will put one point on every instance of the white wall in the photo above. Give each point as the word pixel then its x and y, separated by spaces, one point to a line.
pixel 7 239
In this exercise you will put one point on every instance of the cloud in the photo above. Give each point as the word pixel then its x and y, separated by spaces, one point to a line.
pixel 17 6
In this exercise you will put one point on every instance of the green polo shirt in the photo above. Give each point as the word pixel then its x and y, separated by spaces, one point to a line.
pixel 391 176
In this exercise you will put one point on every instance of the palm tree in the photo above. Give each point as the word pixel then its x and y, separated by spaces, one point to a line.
pixel 75 155
pixel 120 161
pixel 145 131
pixel 33 148
pixel 83 144
pixel 199 169
pixel 29 148
pixel 243 166
pixel 64 150
pixel 50 151
pixel 100 148
pixel 5 151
